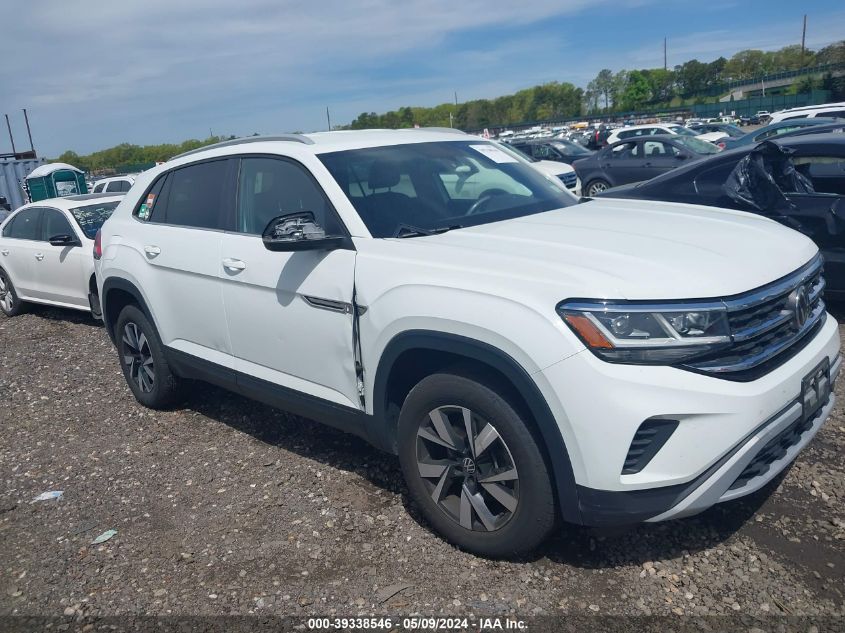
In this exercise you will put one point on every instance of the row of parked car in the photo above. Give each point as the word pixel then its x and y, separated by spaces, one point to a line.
pixel 527 354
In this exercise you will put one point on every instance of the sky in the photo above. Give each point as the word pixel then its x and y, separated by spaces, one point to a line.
pixel 95 73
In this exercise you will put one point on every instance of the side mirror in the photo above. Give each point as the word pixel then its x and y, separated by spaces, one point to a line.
pixel 300 232
pixel 681 156
pixel 64 240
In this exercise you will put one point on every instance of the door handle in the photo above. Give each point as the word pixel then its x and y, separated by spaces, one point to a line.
pixel 152 251
pixel 4 252
pixel 233 264
pixel 39 256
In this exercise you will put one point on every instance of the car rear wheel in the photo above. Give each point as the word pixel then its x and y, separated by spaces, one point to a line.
pixel 10 304
pixel 596 187
pixel 142 360
pixel 474 467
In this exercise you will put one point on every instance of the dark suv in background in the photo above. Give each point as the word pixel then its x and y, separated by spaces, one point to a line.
pixel 560 150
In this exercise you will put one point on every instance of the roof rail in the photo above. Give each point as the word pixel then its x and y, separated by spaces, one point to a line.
pixel 294 138
pixel 447 130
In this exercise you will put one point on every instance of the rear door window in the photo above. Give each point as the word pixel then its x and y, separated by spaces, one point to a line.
pixel 25 225
pixel 99 188
pixel 625 150
pixel 198 196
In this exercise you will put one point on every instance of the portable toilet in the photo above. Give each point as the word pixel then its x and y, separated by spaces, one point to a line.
pixel 55 180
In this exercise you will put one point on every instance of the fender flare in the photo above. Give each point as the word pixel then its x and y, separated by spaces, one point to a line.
pixel 384 433
pixel 118 283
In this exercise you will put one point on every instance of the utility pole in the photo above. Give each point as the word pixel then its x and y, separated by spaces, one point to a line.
pixel 11 138
pixel 328 118
pixel 456 98
pixel 665 65
pixel 803 38
pixel 28 131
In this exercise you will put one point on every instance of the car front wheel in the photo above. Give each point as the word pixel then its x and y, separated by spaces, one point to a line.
pixel 596 187
pixel 474 467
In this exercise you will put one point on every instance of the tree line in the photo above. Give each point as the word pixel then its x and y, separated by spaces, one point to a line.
pixel 127 157
pixel 608 92
pixel 621 91
pixel 694 80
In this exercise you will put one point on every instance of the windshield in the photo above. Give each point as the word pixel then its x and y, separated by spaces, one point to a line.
pixel 698 146
pixel 513 150
pixel 571 149
pixel 441 185
pixel 682 131
pixel 731 130
pixel 91 217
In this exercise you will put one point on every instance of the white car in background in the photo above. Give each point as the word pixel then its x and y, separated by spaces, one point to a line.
pixel 117 184
pixel 46 252
pixel 832 110
pixel 635 131
pixel 563 172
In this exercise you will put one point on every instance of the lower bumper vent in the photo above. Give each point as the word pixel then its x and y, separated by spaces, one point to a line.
pixel 649 438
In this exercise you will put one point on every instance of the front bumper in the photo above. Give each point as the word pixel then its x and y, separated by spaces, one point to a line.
pixel 723 426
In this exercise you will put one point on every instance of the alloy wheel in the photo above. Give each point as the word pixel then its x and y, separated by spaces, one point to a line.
pixel 7 299
pixel 138 357
pixel 597 187
pixel 467 468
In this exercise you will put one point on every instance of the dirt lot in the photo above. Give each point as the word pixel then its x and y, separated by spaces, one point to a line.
pixel 225 506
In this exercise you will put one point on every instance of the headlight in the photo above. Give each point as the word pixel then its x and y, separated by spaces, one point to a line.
pixel 648 333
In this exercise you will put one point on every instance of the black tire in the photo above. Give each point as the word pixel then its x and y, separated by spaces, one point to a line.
pixel 515 530
pixel 596 186
pixel 10 303
pixel 142 360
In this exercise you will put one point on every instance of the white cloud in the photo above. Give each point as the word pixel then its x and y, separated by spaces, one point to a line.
pixel 94 73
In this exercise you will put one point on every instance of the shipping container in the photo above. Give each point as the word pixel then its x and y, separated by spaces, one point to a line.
pixel 12 175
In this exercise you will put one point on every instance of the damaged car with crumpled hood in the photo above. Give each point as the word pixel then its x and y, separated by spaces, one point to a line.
pixel 797 181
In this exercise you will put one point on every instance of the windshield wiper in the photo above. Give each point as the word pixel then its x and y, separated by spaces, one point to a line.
pixel 408 230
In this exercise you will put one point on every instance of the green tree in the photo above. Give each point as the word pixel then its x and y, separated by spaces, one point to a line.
pixel 604 84
pixel 637 91
pixel 692 77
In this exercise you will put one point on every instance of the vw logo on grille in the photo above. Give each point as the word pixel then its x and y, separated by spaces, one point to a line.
pixel 469 466
pixel 799 305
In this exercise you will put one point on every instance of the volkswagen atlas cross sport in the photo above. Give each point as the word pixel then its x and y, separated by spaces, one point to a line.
pixel 525 356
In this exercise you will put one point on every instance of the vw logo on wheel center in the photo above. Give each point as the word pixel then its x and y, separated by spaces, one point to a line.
pixel 469 466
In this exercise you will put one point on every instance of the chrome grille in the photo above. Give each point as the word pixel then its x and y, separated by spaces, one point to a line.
pixel 568 179
pixel 764 327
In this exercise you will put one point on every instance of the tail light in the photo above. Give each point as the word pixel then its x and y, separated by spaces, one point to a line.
pixel 720 145
pixel 98 245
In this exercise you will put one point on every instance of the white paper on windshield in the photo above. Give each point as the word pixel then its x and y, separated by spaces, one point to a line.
pixel 494 153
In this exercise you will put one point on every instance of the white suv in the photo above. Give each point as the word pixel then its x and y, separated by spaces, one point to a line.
pixel 635 131
pixel 116 184
pixel 526 357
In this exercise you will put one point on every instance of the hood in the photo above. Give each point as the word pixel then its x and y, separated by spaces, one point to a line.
pixel 552 168
pixel 626 249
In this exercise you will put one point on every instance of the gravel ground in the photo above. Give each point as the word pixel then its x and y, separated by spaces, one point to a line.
pixel 225 506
